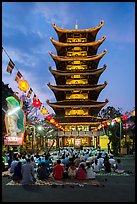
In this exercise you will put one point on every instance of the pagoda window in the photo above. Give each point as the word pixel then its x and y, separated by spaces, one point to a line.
pixel 84 53
pixel 69 40
pixel 69 49
pixel 83 40
pixel 76 76
pixel 73 67
pixel 69 53
pixel 77 62
pixel 76 81
pixel 69 35
pixel 76 112
pixel 82 96
pixel 83 48
pixel 76 35
pixel 76 49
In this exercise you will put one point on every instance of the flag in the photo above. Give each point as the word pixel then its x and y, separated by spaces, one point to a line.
pixel 40 105
pixel 10 66
pixel 29 92
pixel 18 77
pixel 34 97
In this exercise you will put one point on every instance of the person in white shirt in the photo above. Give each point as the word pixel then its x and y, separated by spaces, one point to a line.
pixel 95 166
pixel 90 173
pixel 100 162
pixel 112 161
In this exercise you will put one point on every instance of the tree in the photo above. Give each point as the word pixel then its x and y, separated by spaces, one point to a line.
pixel 113 132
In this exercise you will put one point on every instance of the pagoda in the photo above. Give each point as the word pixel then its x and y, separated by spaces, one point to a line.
pixel 77 89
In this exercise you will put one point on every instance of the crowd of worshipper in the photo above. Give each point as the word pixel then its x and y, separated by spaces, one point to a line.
pixel 65 163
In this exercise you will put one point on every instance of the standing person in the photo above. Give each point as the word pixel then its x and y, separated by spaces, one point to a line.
pixel 81 173
pixel 27 173
pixel 58 170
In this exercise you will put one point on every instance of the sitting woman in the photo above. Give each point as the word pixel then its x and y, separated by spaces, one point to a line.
pixel 90 173
pixel 42 172
pixel 81 173
pixel 119 167
pixel 72 171
pixel 17 174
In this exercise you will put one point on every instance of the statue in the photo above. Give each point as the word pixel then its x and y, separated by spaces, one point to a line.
pixel 14 117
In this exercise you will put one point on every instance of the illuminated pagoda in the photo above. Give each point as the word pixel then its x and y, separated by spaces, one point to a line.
pixel 77 89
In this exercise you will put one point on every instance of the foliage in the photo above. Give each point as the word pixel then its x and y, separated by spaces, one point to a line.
pixel 111 113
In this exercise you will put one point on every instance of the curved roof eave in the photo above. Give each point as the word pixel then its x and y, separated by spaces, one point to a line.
pixel 64 73
pixel 61 44
pixel 88 58
pixel 97 87
pixel 88 30
pixel 56 105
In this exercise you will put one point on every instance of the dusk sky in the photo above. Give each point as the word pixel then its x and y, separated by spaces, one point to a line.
pixel 26 31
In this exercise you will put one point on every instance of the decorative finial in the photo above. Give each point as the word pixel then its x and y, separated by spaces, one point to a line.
pixel 76 26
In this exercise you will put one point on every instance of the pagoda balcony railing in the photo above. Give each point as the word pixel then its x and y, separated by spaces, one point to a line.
pixel 79 133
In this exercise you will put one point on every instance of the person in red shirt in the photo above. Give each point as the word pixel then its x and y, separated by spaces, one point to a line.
pixel 58 170
pixel 81 173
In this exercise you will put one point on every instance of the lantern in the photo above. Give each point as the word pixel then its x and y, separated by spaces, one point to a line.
pixel 108 123
pixel 124 117
pixel 133 113
pixel 52 120
pixel 44 111
pixel 105 124
pixel 36 103
pixel 48 117
pixel 23 85
pixel 118 120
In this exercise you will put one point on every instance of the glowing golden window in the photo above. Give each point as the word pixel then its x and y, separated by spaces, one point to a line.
pixel 79 81
pixel 74 112
pixel 77 96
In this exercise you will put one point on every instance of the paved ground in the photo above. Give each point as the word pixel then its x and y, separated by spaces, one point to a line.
pixel 114 189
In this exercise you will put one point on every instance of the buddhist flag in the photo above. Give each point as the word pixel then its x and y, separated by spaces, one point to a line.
pixel 29 92
pixel 34 97
pixel 18 77
pixel 40 105
pixel 10 66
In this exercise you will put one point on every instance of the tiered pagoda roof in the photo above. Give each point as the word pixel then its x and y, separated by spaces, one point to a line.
pixel 92 46
pixel 91 32
pixel 93 106
pixel 91 61
pixel 93 75
pixel 61 90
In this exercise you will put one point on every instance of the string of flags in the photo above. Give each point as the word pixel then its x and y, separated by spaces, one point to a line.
pixel 111 122
pixel 24 86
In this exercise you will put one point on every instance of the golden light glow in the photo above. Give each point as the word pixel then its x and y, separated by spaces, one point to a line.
pixel 23 85
pixel 77 96
pixel 44 111
pixel 76 81
pixel 79 112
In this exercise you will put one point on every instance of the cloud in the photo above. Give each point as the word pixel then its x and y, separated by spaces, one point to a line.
pixel 56 12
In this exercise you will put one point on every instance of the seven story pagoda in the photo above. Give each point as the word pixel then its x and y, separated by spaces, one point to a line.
pixel 77 89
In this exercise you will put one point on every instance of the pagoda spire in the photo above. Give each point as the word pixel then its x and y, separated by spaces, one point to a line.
pixel 76 26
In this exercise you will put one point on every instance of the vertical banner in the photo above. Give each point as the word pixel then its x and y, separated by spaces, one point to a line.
pixel 15 120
